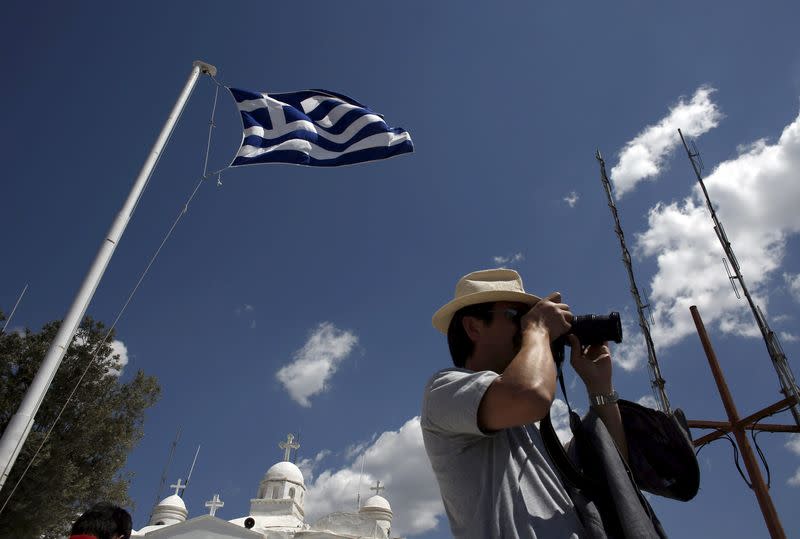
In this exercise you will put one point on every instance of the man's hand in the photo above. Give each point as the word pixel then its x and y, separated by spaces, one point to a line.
pixel 549 315
pixel 593 365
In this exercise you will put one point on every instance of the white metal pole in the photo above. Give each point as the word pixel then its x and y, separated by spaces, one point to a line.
pixel 20 425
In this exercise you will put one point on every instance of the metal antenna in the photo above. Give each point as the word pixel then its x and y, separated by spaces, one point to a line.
pixel 191 469
pixel 656 380
pixel 360 476
pixel 166 469
pixel 785 376
pixel 8 320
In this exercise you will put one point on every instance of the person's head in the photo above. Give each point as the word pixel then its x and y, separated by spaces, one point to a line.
pixel 480 313
pixel 105 521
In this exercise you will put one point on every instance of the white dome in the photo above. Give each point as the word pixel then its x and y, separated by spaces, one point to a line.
pixel 172 501
pixel 285 471
pixel 377 502
pixel 171 510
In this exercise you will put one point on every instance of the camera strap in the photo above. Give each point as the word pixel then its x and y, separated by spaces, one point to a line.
pixel 552 443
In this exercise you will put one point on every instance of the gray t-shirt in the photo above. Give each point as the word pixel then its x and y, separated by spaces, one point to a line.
pixel 494 485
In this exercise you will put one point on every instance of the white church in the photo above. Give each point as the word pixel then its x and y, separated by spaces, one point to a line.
pixel 275 513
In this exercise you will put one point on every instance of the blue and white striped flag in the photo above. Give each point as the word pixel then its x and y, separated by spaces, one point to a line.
pixel 313 127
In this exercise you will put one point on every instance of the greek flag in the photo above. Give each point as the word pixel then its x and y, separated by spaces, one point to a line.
pixel 313 127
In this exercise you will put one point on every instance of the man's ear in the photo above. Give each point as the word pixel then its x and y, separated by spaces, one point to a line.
pixel 473 327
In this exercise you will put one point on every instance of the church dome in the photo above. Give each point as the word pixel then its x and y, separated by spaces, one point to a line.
pixel 285 471
pixel 172 501
pixel 376 503
pixel 171 510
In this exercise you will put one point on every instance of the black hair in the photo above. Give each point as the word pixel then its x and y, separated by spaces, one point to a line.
pixel 461 346
pixel 105 521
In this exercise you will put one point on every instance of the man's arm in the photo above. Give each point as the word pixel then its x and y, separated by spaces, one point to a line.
pixel 593 365
pixel 524 391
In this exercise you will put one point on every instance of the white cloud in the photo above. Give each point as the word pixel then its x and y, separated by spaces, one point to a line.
pixel 756 194
pixel 795 479
pixel 511 259
pixel 572 198
pixel 307 466
pixel 119 348
pixel 631 353
pixel 793 445
pixel 793 282
pixel 316 362
pixel 649 401
pixel 559 416
pixel 643 157
pixel 245 308
pixel 398 460
pixel 785 336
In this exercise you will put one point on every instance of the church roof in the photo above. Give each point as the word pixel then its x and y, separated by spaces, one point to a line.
pixel 285 471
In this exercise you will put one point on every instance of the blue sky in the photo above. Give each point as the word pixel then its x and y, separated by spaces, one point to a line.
pixel 506 103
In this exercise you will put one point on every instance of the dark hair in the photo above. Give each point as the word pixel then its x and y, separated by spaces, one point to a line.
pixel 104 520
pixel 461 346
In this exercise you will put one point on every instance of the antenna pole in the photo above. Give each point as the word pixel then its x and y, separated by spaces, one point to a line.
pixel 785 376
pixel 8 320
pixel 166 468
pixel 189 477
pixel 656 380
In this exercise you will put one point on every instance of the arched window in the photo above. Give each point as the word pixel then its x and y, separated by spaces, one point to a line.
pixel 275 492
pixel 291 493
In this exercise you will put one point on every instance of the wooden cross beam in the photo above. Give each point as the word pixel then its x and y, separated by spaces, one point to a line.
pixel 737 426
pixel 723 427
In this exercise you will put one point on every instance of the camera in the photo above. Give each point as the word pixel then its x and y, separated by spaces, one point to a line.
pixel 590 329
pixel 597 328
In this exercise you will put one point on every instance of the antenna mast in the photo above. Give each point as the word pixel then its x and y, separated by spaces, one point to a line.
pixel 785 376
pixel 166 468
pixel 656 380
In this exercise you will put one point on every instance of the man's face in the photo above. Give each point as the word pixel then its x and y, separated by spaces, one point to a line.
pixel 502 338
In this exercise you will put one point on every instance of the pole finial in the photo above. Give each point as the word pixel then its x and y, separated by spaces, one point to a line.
pixel 205 68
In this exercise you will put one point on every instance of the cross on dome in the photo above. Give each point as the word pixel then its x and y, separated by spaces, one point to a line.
pixel 178 487
pixel 378 488
pixel 214 504
pixel 288 445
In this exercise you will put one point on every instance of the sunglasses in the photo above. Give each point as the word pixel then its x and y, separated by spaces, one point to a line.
pixel 514 315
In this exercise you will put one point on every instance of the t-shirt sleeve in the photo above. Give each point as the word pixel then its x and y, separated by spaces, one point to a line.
pixel 452 398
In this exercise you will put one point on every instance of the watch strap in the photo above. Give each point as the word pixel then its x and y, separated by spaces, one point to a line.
pixel 600 400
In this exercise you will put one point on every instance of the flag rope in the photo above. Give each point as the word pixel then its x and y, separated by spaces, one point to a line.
pixel 97 349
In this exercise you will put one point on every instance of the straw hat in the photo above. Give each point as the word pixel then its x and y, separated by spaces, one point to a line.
pixel 485 286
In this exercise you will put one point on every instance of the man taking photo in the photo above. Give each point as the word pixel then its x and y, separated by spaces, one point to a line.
pixel 479 417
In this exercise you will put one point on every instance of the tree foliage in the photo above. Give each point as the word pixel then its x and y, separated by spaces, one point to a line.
pixel 81 461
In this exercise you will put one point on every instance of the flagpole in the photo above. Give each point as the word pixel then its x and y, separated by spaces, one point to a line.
pixel 20 425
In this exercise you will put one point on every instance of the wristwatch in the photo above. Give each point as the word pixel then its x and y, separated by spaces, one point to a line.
pixel 608 398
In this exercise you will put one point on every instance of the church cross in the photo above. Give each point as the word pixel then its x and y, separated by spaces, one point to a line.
pixel 378 488
pixel 178 487
pixel 214 504
pixel 288 445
